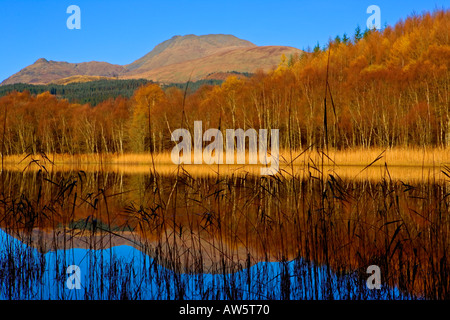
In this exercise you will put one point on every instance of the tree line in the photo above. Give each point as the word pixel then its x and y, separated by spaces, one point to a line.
pixel 92 92
pixel 384 88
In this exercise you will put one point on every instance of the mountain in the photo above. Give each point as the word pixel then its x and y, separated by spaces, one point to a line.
pixel 242 60
pixel 184 48
pixel 44 71
pixel 173 60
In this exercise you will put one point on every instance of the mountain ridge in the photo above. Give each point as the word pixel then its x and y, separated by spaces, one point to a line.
pixel 170 61
pixel 44 71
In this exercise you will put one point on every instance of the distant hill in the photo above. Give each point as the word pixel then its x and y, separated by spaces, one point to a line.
pixel 44 71
pixel 172 61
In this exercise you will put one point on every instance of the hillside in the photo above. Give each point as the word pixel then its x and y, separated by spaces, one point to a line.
pixel 184 48
pixel 242 60
pixel 80 79
pixel 44 71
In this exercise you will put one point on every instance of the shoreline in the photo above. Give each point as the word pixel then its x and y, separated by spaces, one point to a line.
pixel 406 157
pixel 371 164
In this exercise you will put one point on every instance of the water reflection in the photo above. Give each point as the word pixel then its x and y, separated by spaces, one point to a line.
pixel 141 236
pixel 122 272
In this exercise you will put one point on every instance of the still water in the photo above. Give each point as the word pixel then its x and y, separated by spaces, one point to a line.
pixel 178 235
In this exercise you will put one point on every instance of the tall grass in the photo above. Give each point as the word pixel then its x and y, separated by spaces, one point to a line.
pixel 225 236
pixel 405 164
pixel 421 157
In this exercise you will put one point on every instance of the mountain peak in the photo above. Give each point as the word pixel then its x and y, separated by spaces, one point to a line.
pixel 188 47
pixel 41 60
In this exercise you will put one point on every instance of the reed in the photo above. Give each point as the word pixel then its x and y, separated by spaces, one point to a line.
pixel 407 157
pixel 407 165
pixel 306 234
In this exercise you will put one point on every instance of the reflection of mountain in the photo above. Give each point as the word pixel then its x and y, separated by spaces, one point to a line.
pixel 122 272
pixel 160 249
pixel 173 60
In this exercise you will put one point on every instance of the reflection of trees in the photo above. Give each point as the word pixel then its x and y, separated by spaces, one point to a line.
pixel 209 224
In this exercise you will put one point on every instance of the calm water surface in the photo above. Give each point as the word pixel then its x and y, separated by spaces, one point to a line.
pixel 136 235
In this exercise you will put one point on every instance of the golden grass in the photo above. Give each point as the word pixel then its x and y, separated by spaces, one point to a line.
pixel 401 163
pixel 352 157
pixel 418 157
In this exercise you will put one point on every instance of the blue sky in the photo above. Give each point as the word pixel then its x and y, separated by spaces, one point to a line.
pixel 122 31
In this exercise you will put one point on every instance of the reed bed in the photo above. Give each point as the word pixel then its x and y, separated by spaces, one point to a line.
pixel 233 236
pixel 409 157
pixel 404 164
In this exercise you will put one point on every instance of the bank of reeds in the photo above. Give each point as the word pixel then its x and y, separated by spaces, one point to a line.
pixel 288 236
pixel 414 157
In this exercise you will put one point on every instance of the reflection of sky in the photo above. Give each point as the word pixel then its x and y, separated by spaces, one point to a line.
pixel 124 271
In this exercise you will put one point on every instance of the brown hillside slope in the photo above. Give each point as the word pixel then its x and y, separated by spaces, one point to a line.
pixel 79 79
pixel 240 60
pixel 184 48
pixel 44 71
